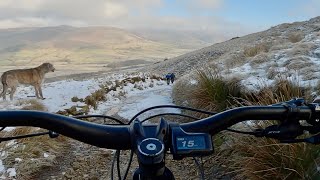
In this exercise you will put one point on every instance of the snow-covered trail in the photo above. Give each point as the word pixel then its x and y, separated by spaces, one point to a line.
pixel 139 101
pixel 58 97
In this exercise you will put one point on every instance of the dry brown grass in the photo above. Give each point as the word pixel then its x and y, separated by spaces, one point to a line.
pixel 234 60
pixel 259 59
pixel 249 157
pixel 295 37
pixel 262 158
pixel 31 151
pixel 258 48
pixel 210 92
pixel 31 104
pixel 281 46
pixel 76 99
pixel 297 63
pixel 272 73
pixel 182 89
pixel 308 72
pixel 282 90
pixel 303 49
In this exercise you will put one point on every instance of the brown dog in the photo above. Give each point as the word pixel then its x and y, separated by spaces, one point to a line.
pixel 32 76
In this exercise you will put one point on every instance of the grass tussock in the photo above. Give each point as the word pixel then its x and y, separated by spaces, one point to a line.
pixel 76 99
pixel 302 49
pixel 272 72
pixel 209 91
pixel 262 158
pixel 234 60
pixel 259 59
pixel 31 104
pixel 295 37
pixel 309 73
pixel 297 63
pixel 182 89
pixel 283 89
pixel 280 45
pixel 258 48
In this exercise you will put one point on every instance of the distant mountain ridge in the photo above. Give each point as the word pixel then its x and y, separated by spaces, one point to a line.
pixel 69 45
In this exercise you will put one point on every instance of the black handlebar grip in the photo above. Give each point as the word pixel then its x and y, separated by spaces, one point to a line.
pixel 104 136
pixel 223 120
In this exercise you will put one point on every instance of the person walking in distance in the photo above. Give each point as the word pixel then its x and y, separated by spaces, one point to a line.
pixel 168 78
pixel 172 77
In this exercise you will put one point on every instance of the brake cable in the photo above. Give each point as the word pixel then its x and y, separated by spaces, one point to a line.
pixel 188 116
pixel 50 133
pixel 116 157
pixel 170 106
pixel 172 114
pixel 200 167
pixel 100 116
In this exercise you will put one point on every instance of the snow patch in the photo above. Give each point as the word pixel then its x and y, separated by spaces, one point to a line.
pixel 17 159
pixel 1 166
pixel 12 172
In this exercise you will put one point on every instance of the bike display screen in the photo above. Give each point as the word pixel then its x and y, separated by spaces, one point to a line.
pixel 195 142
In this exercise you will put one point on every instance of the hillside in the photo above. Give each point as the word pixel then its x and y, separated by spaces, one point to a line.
pixel 287 48
pixel 85 48
pixel 255 58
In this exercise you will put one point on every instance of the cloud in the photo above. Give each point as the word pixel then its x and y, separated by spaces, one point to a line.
pixel 200 5
pixel 37 22
pixel 21 4
pixel 130 14
pixel 115 10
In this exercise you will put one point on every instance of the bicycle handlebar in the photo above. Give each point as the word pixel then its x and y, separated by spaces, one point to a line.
pixel 223 120
pixel 104 136
pixel 118 137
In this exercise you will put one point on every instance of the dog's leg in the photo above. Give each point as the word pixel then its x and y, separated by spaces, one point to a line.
pixel 13 90
pixel 40 92
pixel 4 91
pixel 37 91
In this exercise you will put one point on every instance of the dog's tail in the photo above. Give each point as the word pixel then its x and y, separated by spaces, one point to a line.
pixel 4 78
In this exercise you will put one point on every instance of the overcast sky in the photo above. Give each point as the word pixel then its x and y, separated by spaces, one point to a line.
pixel 197 15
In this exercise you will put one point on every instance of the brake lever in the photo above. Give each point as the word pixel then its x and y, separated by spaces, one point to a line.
pixel 288 135
pixel 281 132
